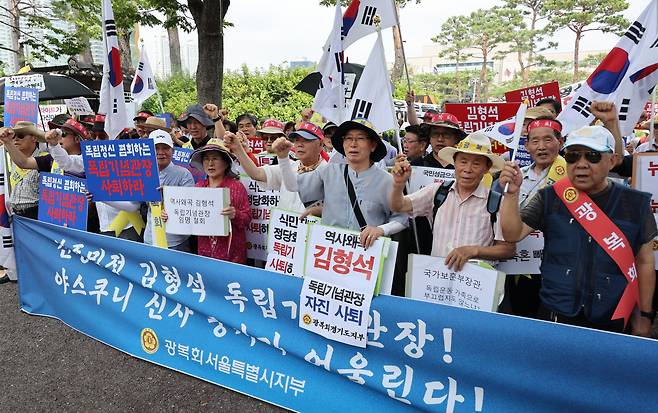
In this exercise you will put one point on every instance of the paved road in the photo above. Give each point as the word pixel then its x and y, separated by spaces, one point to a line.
pixel 47 366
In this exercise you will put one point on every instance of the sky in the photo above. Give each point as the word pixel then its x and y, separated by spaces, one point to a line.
pixel 270 32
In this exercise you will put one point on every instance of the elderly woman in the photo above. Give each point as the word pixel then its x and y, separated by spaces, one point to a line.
pixel 215 160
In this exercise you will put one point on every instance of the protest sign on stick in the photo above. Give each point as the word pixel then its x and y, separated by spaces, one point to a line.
pixel 35 81
pixel 422 176
pixel 63 201
pixel 181 157
pixel 645 178
pixel 533 94
pixel 260 202
pixel 528 256
pixel 196 211
pixel 121 170
pixel 78 106
pixel 21 104
pixel 474 287
pixel 47 114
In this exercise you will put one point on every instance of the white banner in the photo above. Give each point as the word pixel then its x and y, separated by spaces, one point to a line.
pixel 422 176
pixel 528 256
pixel 286 242
pixel 473 287
pixel 645 178
pixel 261 202
pixel 48 113
pixel 196 211
pixel 34 81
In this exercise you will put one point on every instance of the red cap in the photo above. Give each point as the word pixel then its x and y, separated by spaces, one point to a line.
pixel 442 117
pixel 142 115
pixel 99 118
pixel 272 126
pixel 76 128
pixel 311 128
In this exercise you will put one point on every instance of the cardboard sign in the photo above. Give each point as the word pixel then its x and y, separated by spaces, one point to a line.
pixel 533 94
pixel 473 287
pixel 48 113
pixel 21 104
pixel 334 312
pixel 528 256
pixel 63 201
pixel 260 203
pixel 422 176
pixel 645 178
pixel 334 255
pixel 475 116
pixel 78 106
pixel 121 170
pixel 34 81
pixel 196 211
pixel 286 242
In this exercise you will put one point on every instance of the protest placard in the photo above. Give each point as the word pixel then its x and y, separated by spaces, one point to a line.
pixel 522 155
pixel 21 104
pixel 196 211
pixel 528 256
pixel 48 113
pixel 474 287
pixel 34 81
pixel 286 242
pixel 260 202
pixel 422 176
pixel 181 157
pixel 78 106
pixel 335 255
pixel 533 94
pixel 335 312
pixel 63 201
pixel 121 170
pixel 476 116
pixel 256 145
pixel 265 158
pixel 645 178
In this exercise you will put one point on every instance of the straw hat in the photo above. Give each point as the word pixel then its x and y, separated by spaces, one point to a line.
pixel 477 144
pixel 23 128
pixel 213 145
pixel 154 123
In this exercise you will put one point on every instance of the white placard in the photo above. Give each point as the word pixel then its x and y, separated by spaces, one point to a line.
pixel 527 258
pixel 78 106
pixel 48 113
pixel 286 242
pixel 196 211
pixel 34 81
pixel 645 178
pixel 334 255
pixel 260 202
pixel 334 312
pixel 473 287
pixel 388 272
pixel 422 176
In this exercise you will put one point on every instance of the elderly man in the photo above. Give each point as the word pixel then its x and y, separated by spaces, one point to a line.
pixel 598 256
pixel 307 140
pixel 465 224
pixel 24 195
pixel 354 194
pixel 414 143
pixel 444 132
pixel 197 123
pixel 271 130
pixel 139 120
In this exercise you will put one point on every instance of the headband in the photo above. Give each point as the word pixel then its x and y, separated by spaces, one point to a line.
pixel 545 123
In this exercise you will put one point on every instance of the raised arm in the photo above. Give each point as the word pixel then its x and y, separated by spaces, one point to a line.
pixel 232 141
pixel 411 109
pixel 401 172
pixel 19 158
pixel 513 228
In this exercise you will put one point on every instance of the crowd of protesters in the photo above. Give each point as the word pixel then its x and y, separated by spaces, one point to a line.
pixel 353 178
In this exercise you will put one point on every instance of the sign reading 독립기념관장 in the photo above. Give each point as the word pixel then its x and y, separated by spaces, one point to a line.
pixel 63 200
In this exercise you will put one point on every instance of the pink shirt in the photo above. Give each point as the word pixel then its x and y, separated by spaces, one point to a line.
pixel 458 222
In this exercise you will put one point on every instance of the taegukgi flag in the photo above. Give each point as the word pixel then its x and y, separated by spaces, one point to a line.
pixel 330 97
pixel 626 76
pixel 143 85
pixel 373 98
pixel 508 131
pixel 359 18
pixel 112 100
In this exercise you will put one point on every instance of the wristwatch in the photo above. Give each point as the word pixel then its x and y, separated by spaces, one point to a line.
pixel 651 315
pixel 217 119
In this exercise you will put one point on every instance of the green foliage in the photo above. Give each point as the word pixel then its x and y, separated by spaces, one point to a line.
pixel 441 86
pixel 539 76
pixel 345 3
pixel 581 16
pixel 268 93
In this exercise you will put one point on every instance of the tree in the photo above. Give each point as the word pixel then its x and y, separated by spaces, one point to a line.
pixel 208 17
pixel 455 41
pixel 582 16
pixel 488 31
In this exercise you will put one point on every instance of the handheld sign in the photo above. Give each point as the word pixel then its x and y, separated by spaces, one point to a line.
pixel 181 157
pixel 645 178
pixel 21 104
pixel 473 287
pixel 422 176
pixel 196 211
pixel 48 113
pixel 261 202
pixel 121 170
pixel 62 201
pixel 533 94
pixel 78 106
pixel 35 81
pixel 286 242
pixel 528 256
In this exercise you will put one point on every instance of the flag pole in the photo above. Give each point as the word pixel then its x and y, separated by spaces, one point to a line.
pixel 653 112
pixel 404 57
pixel 518 126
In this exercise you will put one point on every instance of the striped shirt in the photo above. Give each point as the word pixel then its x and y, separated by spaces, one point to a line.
pixel 458 222
pixel 26 193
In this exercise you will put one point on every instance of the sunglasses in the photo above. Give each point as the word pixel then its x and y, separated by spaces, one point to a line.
pixel 270 139
pixel 591 156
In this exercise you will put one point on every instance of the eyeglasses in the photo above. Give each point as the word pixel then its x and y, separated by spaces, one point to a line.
pixel 410 141
pixel 591 156
pixel 270 138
